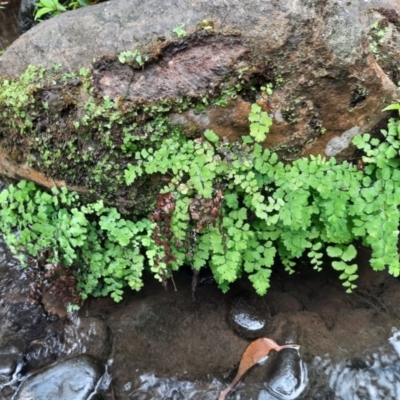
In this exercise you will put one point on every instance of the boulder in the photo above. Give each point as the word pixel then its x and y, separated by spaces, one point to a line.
pixel 94 338
pixel 332 66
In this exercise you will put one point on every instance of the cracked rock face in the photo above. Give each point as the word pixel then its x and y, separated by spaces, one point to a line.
pixel 195 66
pixel 333 64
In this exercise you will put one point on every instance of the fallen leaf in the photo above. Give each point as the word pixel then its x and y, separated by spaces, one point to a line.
pixel 253 354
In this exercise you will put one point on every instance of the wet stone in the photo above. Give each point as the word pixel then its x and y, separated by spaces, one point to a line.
pixel 286 375
pixel 74 378
pixel 42 334
pixel 93 338
pixel 25 16
pixel 249 316
pixel 11 354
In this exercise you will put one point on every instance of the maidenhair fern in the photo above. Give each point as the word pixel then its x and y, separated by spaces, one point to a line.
pixel 104 248
pixel 231 206
pixel 313 206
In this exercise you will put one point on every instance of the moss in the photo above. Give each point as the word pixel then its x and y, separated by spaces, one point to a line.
pixel 56 121
pixel 316 125
pixel 381 35
pixel 358 95
pixel 289 114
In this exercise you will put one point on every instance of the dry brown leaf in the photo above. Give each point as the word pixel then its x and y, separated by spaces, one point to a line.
pixel 253 354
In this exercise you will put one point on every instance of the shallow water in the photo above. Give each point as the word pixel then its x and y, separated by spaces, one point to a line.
pixel 376 378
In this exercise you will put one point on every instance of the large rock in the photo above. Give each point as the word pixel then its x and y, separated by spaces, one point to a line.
pixel 90 336
pixel 333 65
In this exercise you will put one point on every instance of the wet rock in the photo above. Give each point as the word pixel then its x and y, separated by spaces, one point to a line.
pixel 8 27
pixel 391 298
pixel 26 18
pixel 249 316
pixel 167 334
pixel 53 305
pixel 90 336
pixel 287 375
pixel 43 335
pixel 74 378
pixel 11 354
pixel 25 316
pixel 327 306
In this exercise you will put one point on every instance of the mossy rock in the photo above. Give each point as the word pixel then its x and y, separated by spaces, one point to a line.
pixel 82 116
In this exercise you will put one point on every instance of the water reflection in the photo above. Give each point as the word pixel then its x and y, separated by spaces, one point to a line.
pixel 288 376
pixel 151 387
pixel 377 377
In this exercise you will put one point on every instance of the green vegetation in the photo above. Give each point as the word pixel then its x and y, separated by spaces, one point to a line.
pixel 53 8
pixel 104 248
pixel 180 30
pixel 377 35
pixel 188 197
pixel 99 136
pixel 231 206
pixel 17 98
pixel 130 56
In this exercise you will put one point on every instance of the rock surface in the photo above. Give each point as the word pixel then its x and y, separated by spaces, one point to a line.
pixel 287 375
pixel 249 316
pixel 12 350
pixel 196 340
pixel 26 15
pixel 71 379
pixel 333 65
pixel 90 336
